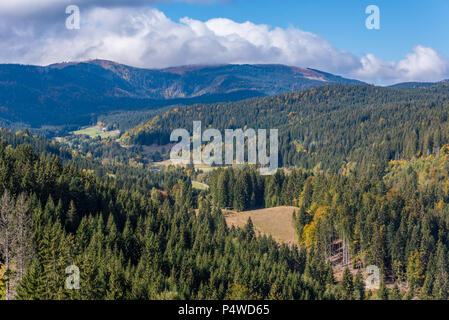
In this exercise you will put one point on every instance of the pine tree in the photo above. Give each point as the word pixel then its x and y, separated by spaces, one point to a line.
pixel 72 219
pixel 32 286
pixel 222 190
pixel 249 229
pixel 415 270
pixel 359 287
pixel 382 292
pixel 395 294
pixel 51 254
pixel 347 286
pixel 241 191
pixel 441 284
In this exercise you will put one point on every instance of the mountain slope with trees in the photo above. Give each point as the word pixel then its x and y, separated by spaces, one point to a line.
pixel 75 93
pixel 132 244
pixel 334 127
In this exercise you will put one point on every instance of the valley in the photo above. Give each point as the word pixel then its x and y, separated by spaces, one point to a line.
pixel 241 159
pixel 361 182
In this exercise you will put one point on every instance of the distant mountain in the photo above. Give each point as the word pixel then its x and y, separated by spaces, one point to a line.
pixel 406 85
pixel 72 93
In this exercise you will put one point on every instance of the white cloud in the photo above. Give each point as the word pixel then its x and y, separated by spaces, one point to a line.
pixel 140 36
pixel 24 7
pixel 146 37
pixel 423 64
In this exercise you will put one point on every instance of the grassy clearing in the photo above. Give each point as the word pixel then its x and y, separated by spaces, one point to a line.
pixel 96 131
pixel 203 167
pixel 199 186
pixel 277 222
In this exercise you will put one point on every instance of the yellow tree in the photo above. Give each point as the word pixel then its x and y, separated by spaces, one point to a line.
pixel 2 283
pixel 415 270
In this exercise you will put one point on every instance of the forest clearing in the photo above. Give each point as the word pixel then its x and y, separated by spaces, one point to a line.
pixel 277 222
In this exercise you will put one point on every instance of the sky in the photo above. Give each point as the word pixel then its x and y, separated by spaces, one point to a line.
pixel 411 43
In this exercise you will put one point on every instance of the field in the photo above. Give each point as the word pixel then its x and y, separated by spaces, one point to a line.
pixel 276 222
pixel 166 163
pixel 95 131
pixel 199 185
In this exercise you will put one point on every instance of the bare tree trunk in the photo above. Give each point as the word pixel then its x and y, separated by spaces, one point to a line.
pixel 22 243
pixel 7 236
pixel 6 251
pixel 23 223
pixel 346 256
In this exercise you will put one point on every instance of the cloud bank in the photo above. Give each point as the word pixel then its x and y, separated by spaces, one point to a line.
pixel 138 35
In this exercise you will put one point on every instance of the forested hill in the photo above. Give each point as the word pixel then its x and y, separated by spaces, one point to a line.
pixel 417 84
pixel 142 243
pixel 72 93
pixel 337 127
pixel 132 244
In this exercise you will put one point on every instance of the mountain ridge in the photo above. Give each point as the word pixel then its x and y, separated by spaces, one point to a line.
pixel 417 84
pixel 75 91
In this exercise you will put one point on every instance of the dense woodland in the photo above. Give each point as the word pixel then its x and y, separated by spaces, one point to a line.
pixel 367 167
pixel 399 223
pixel 333 127
pixel 132 245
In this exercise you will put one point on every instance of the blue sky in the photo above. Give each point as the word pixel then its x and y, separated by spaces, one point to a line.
pixel 404 23
pixel 328 35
